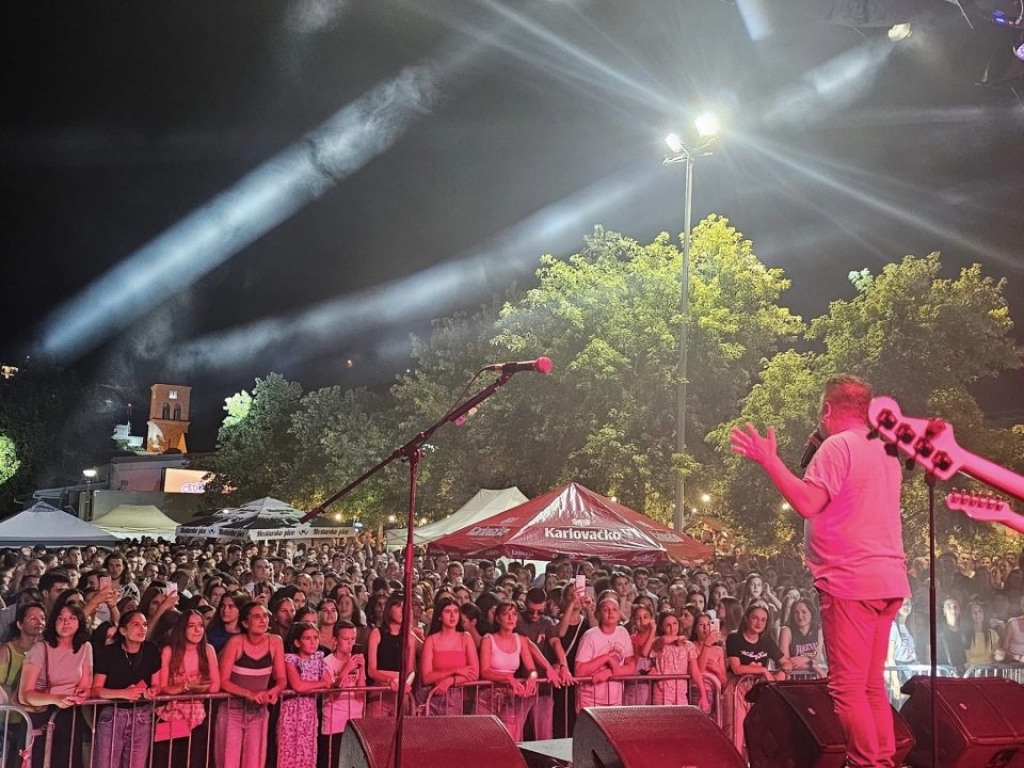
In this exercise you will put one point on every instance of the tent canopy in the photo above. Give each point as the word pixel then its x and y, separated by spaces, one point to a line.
pixel 576 521
pixel 129 521
pixel 484 504
pixel 260 520
pixel 51 527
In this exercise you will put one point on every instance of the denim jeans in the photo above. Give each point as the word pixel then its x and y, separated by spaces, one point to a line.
pixel 122 737
pixel 856 641
pixel 241 734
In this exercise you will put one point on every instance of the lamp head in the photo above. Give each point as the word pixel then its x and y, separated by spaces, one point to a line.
pixel 707 125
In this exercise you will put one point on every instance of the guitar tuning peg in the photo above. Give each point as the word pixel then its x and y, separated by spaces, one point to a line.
pixel 873 434
pixel 892 450
pixel 909 464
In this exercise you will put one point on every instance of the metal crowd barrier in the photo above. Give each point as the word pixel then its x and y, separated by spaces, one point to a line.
pixel 196 744
pixel 896 676
pixel 1011 670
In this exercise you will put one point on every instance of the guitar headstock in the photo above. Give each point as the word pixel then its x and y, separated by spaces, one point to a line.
pixel 929 442
pixel 984 507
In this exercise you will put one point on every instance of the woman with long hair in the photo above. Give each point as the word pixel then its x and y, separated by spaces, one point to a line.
pixel 348 610
pixel 376 609
pixel 58 675
pixel 188 665
pixel 748 651
pixel 673 655
pixel 126 671
pixel 252 670
pixel 800 638
pixel 25 632
pixel 710 654
pixel 730 613
pixel 327 620
pixel 224 624
pixel 502 653
pixel 383 657
pixel 282 614
pixel 448 658
pixel 116 565
pixel 981 643
pixel 754 587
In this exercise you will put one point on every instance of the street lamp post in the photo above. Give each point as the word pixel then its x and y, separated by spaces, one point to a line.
pixel 682 152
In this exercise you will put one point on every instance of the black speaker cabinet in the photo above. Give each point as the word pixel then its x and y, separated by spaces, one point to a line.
pixel 429 742
pixel 981 721
pixel 650 737
pixel 792 724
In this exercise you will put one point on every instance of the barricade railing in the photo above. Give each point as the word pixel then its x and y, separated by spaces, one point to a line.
pixel 896 676
pixel 186 730
pixel 1012 670
pixel 16 738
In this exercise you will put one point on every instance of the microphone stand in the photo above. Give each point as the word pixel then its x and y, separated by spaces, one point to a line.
pixel 411 452
pixel 933 630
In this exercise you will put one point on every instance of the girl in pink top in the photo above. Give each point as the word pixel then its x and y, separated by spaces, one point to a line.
pixel 449 657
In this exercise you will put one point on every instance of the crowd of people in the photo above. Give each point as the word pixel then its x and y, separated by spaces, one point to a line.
pixel 301 639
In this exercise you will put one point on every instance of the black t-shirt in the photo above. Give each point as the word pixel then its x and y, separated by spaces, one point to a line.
pixel 123 669
pixel 752 653
pixel 540 632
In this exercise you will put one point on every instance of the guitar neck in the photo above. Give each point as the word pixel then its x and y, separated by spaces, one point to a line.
pixel 992 474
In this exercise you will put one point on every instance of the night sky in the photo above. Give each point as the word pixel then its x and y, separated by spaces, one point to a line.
pixel 297 186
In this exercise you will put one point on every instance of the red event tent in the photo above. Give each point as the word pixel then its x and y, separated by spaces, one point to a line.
pixel 573 520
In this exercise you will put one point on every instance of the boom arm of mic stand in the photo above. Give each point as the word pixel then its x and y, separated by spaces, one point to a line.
pixel 413 446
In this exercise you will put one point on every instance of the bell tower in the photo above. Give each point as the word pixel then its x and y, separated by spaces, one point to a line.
pixel 168 417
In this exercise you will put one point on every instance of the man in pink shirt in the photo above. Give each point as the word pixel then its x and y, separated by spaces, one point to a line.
pixel 849 498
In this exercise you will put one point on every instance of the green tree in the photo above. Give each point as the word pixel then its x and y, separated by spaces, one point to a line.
pixel 914 335
pixel 458 460
pixel 339 434
pixel 9 462
pixel 609 318
pixel 255 445
pixel 56 425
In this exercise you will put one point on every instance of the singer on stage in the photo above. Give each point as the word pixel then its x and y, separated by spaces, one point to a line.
pixel 849 498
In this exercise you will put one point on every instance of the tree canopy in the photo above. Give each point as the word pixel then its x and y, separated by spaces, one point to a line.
pixel 609 317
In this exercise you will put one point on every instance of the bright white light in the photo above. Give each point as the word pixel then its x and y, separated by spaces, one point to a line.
pixel 705 498
pixel 785 506
pixel 89 473
pixel 423 521
pixel 674 142
pixel 236 217
pixel 899 32
pixel 1018 51
pixel 707 125
pixel 507 256
pixel 391 518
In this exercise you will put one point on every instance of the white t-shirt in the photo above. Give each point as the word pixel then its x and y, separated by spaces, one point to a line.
pixel 854 546
pixel 339 708
pixel 596 643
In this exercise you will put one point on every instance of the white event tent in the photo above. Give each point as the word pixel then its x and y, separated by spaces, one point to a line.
pixel 51 527
pixel 485 503
pixel 132 521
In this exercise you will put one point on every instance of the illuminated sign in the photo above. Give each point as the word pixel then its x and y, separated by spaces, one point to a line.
pixel 185 480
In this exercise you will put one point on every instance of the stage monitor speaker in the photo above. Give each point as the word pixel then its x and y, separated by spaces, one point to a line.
pixel 792 724
pixel 650 737
pixel 981 721
pixel 429 742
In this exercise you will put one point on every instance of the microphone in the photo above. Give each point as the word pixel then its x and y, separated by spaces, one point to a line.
pixel 814 441
pixel 540 365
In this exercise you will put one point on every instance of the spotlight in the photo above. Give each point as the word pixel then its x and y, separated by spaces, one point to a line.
pixel 707 125
pixel 674 143
pixel 899 32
